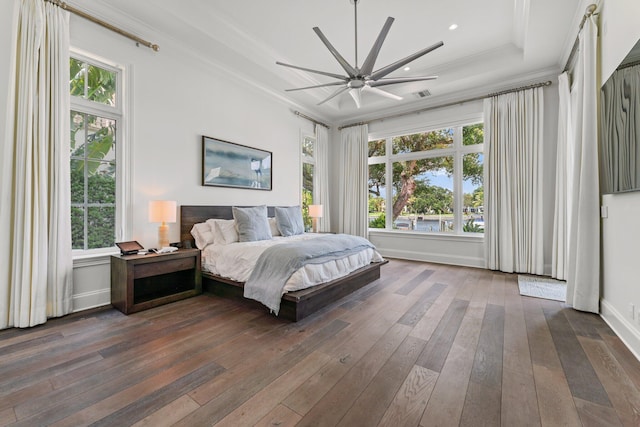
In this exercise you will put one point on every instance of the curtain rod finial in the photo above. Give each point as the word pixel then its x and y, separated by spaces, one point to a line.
pixel 591 9
pixel 155 47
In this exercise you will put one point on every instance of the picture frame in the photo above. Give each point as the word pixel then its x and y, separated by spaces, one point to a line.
pixel 227 164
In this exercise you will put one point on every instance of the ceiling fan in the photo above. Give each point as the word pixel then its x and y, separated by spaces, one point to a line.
pixel 363 78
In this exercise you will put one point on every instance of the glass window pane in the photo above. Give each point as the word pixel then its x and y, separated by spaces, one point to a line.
pixel 423 194
pixel 377 196
pixel 473 193
pixel 307 193
pixel 77 181
pixel 78 134
pixel 101 85
pixel 425 141
pixel 101 185
pixel 308 147
pixel 77 74
pixel 101 227
pixel 101 138
pixel 377 148
pixel 77 227
pixel 473 134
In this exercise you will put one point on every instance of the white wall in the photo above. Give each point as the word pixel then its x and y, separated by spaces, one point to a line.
pixel 620 231
pixel 175 98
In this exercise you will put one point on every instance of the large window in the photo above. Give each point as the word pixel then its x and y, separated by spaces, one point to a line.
pixel 95 119
pixel 308 176
pixel 428 181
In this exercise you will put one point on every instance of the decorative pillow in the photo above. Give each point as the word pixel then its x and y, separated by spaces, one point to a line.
pixel 201 232
pixel 273 225
pixel 225 231
pixel 252 223
pixel 289 220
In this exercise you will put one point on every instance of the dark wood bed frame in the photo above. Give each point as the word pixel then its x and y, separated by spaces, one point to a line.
pixel 295 305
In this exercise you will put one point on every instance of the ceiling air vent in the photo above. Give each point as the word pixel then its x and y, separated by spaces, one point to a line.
pixel 423 93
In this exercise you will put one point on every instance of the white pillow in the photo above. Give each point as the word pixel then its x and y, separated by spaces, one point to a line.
pixel 201 232
pixel 226 232
pixel 273 224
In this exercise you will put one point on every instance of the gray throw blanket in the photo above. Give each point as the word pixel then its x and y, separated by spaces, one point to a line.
pixel 278 263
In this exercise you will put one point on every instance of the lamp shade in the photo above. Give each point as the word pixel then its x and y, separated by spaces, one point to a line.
pixel 162 211
pixel 315 211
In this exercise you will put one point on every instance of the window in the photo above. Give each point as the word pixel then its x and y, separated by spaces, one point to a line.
pixel 95 153
pixel 308 177
pixel 428 181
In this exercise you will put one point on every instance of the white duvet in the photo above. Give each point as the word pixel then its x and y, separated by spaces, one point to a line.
pixel 236 260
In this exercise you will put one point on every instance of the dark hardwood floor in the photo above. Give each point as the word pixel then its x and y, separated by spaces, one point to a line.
pixel 425 345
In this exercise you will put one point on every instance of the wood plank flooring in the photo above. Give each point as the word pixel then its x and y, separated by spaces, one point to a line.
pixel 425 345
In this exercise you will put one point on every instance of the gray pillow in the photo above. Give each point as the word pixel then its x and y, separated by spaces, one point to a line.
pixel 289 220
pixel 252 223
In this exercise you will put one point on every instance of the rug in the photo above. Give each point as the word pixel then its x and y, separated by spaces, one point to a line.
pixel 542 287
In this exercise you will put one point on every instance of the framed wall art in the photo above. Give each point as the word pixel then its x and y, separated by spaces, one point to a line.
pixel 226 164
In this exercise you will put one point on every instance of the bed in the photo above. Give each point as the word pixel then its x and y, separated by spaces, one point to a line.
pixel 294 305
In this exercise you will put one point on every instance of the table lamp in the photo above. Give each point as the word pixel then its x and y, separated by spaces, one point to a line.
pixel 162 211
pixel 315 212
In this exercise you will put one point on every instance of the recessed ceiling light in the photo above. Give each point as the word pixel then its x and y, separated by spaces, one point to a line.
pixel 406 68
pixel 453 26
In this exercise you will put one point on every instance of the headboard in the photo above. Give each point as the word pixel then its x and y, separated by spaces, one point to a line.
pixel 191 214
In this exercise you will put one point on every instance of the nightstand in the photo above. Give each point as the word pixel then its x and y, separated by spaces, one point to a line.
pixel 139 282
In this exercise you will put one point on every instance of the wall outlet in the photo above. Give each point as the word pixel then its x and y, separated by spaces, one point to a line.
pixel 632 310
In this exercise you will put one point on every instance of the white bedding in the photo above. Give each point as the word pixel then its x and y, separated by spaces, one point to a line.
pixel 236 260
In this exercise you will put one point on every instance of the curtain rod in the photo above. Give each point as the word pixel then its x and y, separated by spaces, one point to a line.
pixel 591 9
pixel 630 64
pixel 104 24
pixel 304 116
pixel 422 110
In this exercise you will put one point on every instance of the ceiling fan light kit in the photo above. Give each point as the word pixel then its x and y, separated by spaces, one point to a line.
pixel 359 79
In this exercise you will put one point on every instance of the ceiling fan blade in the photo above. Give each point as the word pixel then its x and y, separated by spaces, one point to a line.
pixel 384 82
pixel 355 94
pixel 367 67
pixel 343 62
pixel 382 92
pixel 402 62
pixel 312 87
pixel 324 73
pixel 334 94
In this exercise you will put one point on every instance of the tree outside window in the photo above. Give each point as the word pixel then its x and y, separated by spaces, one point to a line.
pixel 422 170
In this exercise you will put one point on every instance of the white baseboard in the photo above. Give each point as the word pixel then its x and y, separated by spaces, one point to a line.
pixel 462 261
pixel 625 330
pixel 91 299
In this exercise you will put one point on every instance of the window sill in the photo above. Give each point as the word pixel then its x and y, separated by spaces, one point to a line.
pixel 89 260
pixel 467 237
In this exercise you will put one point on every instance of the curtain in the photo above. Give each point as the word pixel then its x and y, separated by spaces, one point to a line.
pixel 583 260
pixel 513 193
pixel 559 250
pixel 321 187
pixel 620 159
pixel 355 176
pixel 40 265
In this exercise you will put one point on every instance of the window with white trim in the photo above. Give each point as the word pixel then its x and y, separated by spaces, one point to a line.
pixel 308 176
pixel 435 181
pixel 96 119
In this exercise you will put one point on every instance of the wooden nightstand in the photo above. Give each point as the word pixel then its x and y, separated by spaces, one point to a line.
pixel 139 282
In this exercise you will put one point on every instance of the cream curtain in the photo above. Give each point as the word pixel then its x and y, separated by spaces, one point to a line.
pixel 583 250
pixel 321 187
pixel 565 135
pixel 40 263
pixel 620 158
pixel 513 189
pixel 355 176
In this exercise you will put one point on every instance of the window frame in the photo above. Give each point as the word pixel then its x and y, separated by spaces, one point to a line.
pixel 457 151
pixel 122 152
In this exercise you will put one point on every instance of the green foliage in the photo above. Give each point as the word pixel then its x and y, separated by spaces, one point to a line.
pixel 429 199
pixel 471 227
pixel 307 199
pixel 379 222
